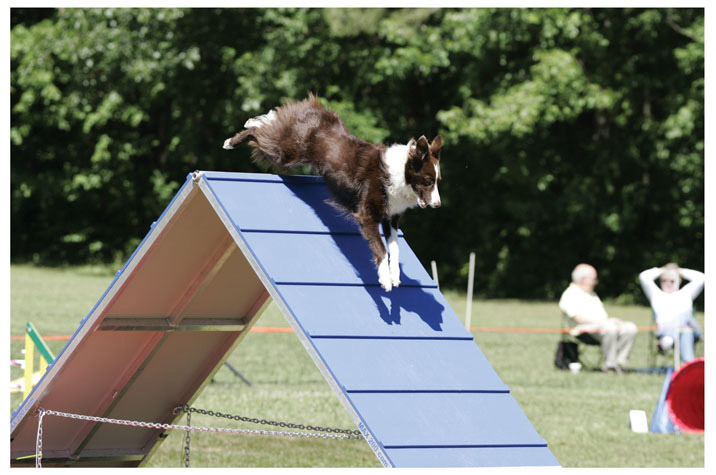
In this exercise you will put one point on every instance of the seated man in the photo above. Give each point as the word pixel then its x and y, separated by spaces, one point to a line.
pixel 580 303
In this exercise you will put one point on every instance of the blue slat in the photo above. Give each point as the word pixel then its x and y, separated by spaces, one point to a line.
pixel 445 419
pixel 409 365
pixel 328 259
pixel 260 177
pixel 473 457
pixel 404 312
pixel 275 206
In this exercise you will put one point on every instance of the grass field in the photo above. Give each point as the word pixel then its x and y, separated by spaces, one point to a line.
pixel 583 417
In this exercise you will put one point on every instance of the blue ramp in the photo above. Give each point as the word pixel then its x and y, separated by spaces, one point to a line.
pixel 410 374
pixel 401 363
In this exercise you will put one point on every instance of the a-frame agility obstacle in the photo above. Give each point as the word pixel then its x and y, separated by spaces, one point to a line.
pixel 401 363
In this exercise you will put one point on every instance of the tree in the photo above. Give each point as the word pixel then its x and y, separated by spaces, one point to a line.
pixel 571 134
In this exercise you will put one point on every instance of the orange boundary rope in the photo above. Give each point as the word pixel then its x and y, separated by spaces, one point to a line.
pixel 474 329
pixel 543 330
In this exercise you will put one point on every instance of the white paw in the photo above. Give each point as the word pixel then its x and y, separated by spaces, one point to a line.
pixel 227 146
pixel 384 275
pixel 260 120
pixel 395 276
pixel 394 258
pixel 252 123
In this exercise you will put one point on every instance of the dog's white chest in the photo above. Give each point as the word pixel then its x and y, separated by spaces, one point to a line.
pixel 400 195
pixel 400 199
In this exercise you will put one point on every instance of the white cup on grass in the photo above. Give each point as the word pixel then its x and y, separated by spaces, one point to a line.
pixel 575 367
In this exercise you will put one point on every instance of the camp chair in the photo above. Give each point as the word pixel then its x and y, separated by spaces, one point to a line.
pixel 668 357
pixel 586 342
pixel 653 347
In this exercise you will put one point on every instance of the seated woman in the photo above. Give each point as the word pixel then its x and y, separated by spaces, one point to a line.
pixel 673 307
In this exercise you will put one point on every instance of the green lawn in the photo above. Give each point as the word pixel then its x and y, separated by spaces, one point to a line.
pixel 583 417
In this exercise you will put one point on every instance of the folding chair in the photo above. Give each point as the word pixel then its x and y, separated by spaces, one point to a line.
pixel 653 348
pixel 671 356
pixel 586 342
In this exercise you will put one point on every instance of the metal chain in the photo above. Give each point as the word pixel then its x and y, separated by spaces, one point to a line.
pixel 187 442
pixel 289 425
pixel 188 428
pixel 223 430
pixel 351 434
pixel 38 441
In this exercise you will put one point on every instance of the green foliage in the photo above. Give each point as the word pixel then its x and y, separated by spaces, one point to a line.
pixel 570 134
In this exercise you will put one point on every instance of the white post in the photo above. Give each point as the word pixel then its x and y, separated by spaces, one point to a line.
pixel 470 280
pixel 434 267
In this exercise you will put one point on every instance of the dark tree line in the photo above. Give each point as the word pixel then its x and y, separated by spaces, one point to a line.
pixel 570 134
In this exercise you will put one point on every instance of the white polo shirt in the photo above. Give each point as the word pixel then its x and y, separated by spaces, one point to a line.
pixel 588 306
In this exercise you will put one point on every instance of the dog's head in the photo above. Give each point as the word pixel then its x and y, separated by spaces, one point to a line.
pixel 422 171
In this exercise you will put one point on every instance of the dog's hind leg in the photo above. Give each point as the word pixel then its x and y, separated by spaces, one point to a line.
pixel 261 120
pixel 250 126
pixel 238 138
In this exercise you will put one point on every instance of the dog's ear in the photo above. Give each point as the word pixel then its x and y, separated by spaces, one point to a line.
pixel 414 157
pixel 422 147
pixel 435 146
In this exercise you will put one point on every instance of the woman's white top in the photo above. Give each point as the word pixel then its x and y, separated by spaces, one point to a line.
pixel 672 309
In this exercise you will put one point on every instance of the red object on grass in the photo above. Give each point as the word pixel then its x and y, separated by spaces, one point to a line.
pixel 685 399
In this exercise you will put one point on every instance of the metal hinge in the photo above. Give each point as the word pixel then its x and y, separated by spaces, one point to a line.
pixel 196 176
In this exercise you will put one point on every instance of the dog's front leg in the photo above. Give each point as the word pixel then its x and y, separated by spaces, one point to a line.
pixel 371 232
pixel 390 229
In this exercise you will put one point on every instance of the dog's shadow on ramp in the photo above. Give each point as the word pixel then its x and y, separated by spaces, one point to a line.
pixel 405 301
pixel 410 298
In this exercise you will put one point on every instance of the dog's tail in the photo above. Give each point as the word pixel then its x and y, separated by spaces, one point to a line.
pixel 238 138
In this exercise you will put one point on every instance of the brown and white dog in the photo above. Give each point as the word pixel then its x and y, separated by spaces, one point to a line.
pixel 373 183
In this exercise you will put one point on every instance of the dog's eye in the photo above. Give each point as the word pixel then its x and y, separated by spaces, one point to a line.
pixel 429 182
